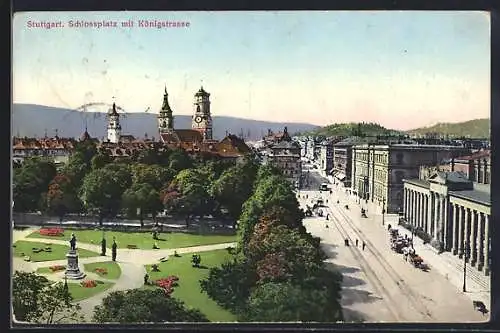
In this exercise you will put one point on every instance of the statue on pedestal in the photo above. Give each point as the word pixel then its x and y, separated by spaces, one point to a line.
pixel 72 269
pixel 72 242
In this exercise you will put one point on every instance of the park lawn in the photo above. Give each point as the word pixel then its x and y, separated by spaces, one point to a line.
pixel 78 292
pixel 58 251
pixel 188 289
pixel 143 240
pixel 113 269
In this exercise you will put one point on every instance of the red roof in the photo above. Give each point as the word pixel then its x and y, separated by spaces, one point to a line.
pixel 486 153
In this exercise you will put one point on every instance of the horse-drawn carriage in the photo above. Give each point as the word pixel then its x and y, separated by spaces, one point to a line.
pixel 416 260
pixel 398 245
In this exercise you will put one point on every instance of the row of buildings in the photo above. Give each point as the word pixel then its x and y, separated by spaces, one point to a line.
pixel 197 140
pixel 440 188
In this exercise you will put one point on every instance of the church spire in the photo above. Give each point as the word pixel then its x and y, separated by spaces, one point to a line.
pixel 165 107
pixel 165 117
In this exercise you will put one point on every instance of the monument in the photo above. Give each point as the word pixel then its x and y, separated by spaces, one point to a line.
pixel 72 270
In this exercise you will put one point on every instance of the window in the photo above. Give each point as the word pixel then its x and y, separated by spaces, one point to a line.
pixel 399 158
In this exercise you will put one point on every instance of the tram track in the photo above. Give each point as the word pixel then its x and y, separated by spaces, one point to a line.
pixel 369 272
pixel 414 300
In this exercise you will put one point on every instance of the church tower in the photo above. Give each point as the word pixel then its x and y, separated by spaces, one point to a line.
pixel 165 117
pixel 202 119
pixel 114 127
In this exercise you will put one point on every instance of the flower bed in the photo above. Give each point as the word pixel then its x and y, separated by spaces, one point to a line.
pixel 89 284
pixel 53 232
pixel 167 284
pixel 101 270
pixel 57 268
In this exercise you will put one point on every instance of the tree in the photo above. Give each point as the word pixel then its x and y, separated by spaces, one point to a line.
pixel 31 181
pixel 233 188
pixel 36 299
pixel 286 302
pixel 295 255
pixel 61 196
pixel 144 306
pixel 193 198
pixel 179 160
pixel 155 175
pixel 230 284
pixel 100 160
pixel 102 190
pixel 144 197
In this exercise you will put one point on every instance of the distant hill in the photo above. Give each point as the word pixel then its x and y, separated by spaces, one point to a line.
pixel 33 120
pixel 477 128
pixel 352 129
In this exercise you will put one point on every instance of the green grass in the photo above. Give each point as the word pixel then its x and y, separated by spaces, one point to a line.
pixel 113 269
pixel 78 292
pixel 58 251
pixel 188 289
pixel 143 240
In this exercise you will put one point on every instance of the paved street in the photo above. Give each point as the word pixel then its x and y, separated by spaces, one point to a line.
pixel 379 285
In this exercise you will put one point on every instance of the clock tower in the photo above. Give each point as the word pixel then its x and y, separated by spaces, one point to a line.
pixel 202 119
pixel 165 117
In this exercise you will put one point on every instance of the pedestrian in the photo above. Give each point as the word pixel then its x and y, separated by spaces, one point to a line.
pixel 364 244
pixel 113 249
pixel 356 243
pixel 146 278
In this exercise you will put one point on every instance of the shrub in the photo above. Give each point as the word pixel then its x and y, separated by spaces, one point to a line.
pixel 52 232
pixel 89 284
pixel 101 270
pixel 57 268
pixel 167 284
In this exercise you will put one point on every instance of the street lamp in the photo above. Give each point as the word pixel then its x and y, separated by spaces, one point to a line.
pixel 383 211
pixel 466 251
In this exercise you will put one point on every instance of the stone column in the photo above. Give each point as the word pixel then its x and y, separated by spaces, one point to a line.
pixel 486 244
pixel 474 233
pixel 444 223
pixel 414 208
pixel 409 206
pixel 420 210
pixel 417 209
pixel 480 236
pixel 461 231
pixel 405 202
pixel 427 220
pixel 436 217
pixel 454 221
pixel 467 232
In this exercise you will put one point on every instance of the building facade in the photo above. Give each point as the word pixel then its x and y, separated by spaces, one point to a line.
pixel 326 156
pixel 378 170
pixel 285 155
pixel 454 212
pixel 477 166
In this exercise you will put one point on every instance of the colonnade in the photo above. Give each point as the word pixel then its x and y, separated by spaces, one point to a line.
pixel 455 226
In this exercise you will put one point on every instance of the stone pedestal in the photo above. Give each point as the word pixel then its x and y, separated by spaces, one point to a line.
pixel 72 270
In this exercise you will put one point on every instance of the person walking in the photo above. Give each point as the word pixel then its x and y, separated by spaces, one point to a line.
pixel 356 243
pixel 113 249
pixel 364 245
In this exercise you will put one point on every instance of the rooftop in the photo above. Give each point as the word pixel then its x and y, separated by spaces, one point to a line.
pixel 473 195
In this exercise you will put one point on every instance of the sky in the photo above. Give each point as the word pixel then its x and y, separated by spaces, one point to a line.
pixel 400 69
